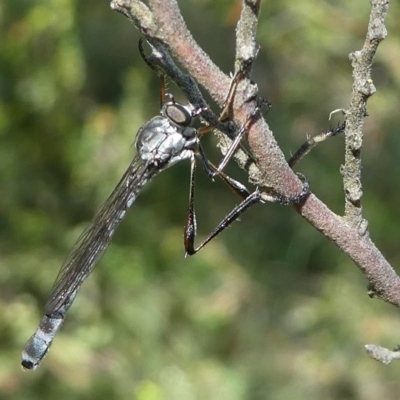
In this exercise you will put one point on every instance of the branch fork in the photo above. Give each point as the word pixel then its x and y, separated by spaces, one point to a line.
pixel 163 26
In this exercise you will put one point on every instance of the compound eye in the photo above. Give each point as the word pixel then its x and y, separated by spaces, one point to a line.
pixel 178 114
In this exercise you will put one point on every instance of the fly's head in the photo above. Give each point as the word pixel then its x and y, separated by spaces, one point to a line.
pixel 178 114
pixel 169 137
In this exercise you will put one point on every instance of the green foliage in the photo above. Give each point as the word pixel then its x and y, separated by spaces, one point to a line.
pixel 269 310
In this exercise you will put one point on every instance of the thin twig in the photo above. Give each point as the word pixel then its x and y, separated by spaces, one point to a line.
pixel 138 13
pixel 379 353
pixel 363 88
pixel 246 31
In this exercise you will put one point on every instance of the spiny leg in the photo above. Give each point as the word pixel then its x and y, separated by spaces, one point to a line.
pixel 190 230
pixel 299 198
pixel 237 78
pixel 312 142
pixel 248 200
pixel 163 94
pixel 261 103
pixel 226 114
pixel 227 110
pixel 210 169
pixel 226 107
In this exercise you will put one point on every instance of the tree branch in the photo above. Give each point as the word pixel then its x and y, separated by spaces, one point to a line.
pixel 363 88
pixel 165 25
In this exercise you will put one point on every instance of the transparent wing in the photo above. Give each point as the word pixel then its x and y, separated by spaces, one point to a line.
pixel 91 245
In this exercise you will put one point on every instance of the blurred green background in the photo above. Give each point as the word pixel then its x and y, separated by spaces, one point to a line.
pixel 270 309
